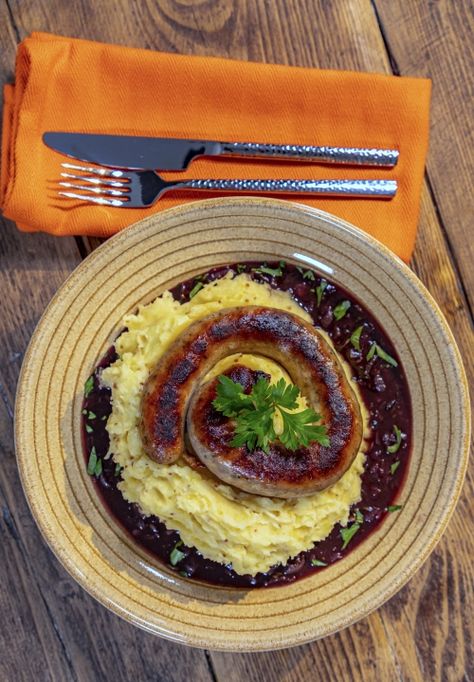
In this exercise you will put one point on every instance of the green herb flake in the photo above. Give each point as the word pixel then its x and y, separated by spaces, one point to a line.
pixel 319 291
pixel 84 411
pixel 348 533
pixel 317 562
pixel 359 517
pixel 254 415
pixel 104 417
pixel 394 507
pixel 89 428
pixel 197 287
pixel 355 337
pixel 282 265
pixel 184 574
pixel 395 447
pixel 117 469
pixel 265 270
pixel 371 352
pixel 240 268
pixel 92 463
pixel 176 554
pixel 385 356
pixel 306 274
pixel 89 385
pixel 98 468
pixel 394 467
pixel 91 415
pixel 341 309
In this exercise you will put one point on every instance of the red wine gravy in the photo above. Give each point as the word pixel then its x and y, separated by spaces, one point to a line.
pixel 384 390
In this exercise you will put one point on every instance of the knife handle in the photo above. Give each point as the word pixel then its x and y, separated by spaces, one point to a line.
pixel 359 156
pixel 355 188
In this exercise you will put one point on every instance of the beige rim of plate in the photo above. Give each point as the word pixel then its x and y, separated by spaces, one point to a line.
pixel 80 324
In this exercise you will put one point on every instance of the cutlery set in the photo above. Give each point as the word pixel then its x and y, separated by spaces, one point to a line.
pixel 125 174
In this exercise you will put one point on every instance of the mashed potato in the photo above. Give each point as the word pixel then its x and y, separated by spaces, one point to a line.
pixel 250 532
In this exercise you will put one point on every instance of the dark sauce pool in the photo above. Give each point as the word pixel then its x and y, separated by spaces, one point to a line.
pixel 384 390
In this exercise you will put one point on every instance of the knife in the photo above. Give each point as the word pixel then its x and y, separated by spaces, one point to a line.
pixel 166 153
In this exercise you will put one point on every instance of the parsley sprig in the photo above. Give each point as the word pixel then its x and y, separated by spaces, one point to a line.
pixel 254 415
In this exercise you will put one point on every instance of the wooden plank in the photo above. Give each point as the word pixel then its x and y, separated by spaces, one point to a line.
pixel 435 39
pixel 424 631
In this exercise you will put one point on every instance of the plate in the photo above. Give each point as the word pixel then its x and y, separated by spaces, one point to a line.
pixel 80 324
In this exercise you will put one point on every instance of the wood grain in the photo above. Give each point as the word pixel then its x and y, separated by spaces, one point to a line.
pixel 426 631
pixel 434 39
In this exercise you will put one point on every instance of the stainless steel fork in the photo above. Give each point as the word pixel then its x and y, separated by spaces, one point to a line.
pixel 139 189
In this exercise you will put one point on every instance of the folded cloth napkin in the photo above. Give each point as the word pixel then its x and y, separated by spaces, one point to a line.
pixel 67 84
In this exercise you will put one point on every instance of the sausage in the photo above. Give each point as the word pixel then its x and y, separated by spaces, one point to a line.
pixel 313 367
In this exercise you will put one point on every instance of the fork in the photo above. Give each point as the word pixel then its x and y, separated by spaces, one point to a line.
pixel 139 189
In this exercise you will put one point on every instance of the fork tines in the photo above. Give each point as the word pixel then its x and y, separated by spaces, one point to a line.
pixel 104 179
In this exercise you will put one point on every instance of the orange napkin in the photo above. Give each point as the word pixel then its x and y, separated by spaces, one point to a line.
pixel 75 85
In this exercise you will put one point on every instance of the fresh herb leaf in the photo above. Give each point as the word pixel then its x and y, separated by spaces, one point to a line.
pixel 394 507
pixel 392 449
pixel 371 352
pixel 240 268
pixel 254 415
pixel 104 418
pixel 184 574
pixel 319 291
pixel 282 265
pixel 341 309
pixel 394 467
pixel 317 562
pixel 355 337
pixel 91 415
pixel 89 385
pixel 385 356
pixel 348 533
pixel 92 462
pixel 306 274
pixel 84 411
pixel 117 469
pixel 197 287
pixel 98 468
pixel 359 517
pixel 176 554
pixel 273 272
pixel 89 428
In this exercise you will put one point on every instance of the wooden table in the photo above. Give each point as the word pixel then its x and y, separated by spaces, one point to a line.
pixel 50 628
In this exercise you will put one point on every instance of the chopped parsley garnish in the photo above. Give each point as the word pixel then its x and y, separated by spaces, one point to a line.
pixel 273 272
pixel 359 517
pixel 383 355
pixel 89 428
pixel 91 415
pixel 197 287
pixel 348 533
pixel 89 385
pixel 117 469
pixel 355 337
pixel 394 507
pixel 176 554
pixel 240 268
pixel 392 449
pixel 319 291
pixel 317 562
pixel 254 415
pixel 341 309
pixel 94 465
pixel 84 411
pixel 306 274
pixel 106 416
pixel 394 466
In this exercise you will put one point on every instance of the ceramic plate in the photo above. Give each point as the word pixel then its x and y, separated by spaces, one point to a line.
pixel 79 326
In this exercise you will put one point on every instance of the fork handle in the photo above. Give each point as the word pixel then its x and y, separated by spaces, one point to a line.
pixel 354 188
pixel 348 155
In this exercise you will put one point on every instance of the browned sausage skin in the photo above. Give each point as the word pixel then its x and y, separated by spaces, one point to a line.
pixel 312 365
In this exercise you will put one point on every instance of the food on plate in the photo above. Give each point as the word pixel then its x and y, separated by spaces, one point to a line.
pixel 312 365
pixel 248 376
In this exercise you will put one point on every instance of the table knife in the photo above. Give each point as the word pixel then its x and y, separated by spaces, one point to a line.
pixel 166 153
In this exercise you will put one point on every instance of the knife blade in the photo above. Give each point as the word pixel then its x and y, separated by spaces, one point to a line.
pixel 174 154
